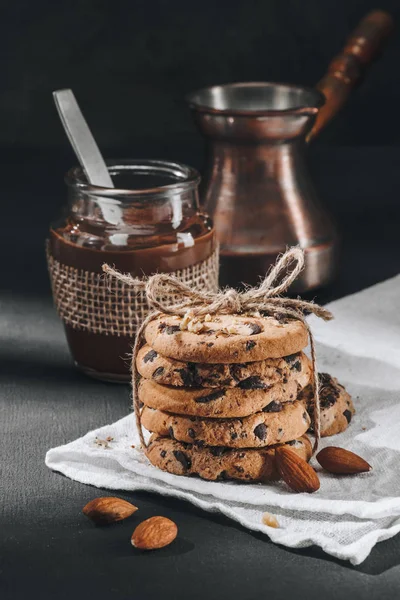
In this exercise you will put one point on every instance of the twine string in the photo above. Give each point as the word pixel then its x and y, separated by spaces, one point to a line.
pixel 265 298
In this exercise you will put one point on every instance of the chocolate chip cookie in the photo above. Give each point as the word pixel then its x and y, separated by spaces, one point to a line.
pixel 336 405
pixel 219 463
pixel 218 403
pixel 225 338
pixel 169 371
pixel 255 431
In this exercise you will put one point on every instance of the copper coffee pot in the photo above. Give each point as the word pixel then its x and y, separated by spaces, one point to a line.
pixel 256 184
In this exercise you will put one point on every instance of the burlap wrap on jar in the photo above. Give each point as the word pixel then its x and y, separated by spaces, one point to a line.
pixel 89 301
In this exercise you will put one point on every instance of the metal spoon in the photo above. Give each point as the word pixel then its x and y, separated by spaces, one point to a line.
pixel 86 150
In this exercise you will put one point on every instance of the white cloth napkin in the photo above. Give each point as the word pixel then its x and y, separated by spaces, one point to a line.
pixel 348 515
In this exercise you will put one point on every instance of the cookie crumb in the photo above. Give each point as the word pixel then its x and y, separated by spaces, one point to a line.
pixel 195 326
pixel 191 323
pixel 133 446
pixel 187 317
pixel 103 443
pixel 270 520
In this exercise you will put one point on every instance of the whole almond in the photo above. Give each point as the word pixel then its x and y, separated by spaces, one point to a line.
pixel 341 461
pixel 154 533
pixel 295 471
pixel 108 509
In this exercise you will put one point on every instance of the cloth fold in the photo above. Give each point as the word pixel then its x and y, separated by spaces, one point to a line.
pixel 348 515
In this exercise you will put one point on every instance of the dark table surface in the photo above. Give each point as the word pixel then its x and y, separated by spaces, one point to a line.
pixel 47 547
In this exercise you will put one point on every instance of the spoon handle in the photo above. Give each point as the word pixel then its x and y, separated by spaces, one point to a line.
pixel 81 139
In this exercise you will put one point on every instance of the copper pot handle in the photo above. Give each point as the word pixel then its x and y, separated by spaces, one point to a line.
pixel 345 70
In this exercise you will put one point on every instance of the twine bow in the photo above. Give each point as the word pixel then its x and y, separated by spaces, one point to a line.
pixel 266 298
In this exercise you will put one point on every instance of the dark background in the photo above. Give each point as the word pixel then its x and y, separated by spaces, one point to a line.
pixel 130 64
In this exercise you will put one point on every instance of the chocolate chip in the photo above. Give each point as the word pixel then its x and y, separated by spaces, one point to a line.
pixel 164 328
pixel 327 400
pixel 183 459
pixel 242 455
pixel 199 443
pixel 295 443
pixel 325 379
pixel 285 379
pixel 210 397
pixel 305 416
pixel 250 345
pixel 191 433
pixel 170 329
pixel 348 415
pixel 150 356
pixel 187 376
pixel 254 328
pixel 291 358
pixel 296 366
pixel 273 407
pixel 280 431
pixel 234 435
pixel 159 371
pixel 171 432
pixel 218 451
pixel 261 431
pixel 210 344
pixel 239 469
pixel 163 453
pixel 253 383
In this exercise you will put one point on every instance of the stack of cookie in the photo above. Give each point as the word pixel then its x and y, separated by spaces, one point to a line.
pixel 221 392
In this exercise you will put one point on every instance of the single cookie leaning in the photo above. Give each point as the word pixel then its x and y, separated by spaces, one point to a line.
pixel 255 431
pixel 225 338
pixel 337 409
pixel 217 403
pixel 251 465
pixel 169 371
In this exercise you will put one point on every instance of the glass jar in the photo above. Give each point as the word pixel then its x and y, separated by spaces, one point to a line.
pixel 149 222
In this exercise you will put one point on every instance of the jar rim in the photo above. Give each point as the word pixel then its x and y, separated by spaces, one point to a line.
pixel 189 177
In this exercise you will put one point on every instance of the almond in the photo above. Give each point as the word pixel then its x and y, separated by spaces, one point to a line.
pixel 154 533
pixel 295 471
pixel 341 461
pixel 108 509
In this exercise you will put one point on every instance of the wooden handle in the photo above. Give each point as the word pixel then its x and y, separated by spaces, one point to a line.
pixel 345 70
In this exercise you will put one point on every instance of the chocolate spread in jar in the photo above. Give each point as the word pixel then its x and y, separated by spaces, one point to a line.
pixel 107 356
